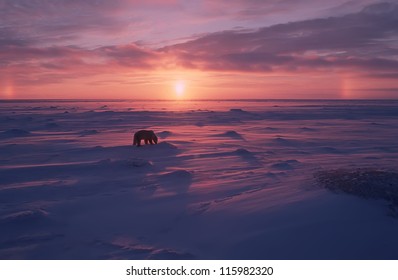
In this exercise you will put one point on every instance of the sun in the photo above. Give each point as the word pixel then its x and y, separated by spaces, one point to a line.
pixel 179 88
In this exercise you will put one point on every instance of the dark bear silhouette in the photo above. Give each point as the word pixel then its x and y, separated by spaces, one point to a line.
pixel 147 135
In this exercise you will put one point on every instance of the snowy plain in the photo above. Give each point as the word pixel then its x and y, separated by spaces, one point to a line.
pixel 228 179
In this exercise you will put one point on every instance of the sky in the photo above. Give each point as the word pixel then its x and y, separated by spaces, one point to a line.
pixel 226 49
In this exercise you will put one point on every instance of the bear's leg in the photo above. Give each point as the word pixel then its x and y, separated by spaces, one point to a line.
pixel 146 141
pixel 150 141
pixel 138 142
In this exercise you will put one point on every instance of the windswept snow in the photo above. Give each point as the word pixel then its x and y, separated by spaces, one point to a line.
pixel 228 180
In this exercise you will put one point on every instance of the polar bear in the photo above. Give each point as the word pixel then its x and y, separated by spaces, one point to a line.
pixel 148 135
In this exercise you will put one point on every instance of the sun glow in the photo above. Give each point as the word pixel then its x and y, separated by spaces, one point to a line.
pixel 7 90
pixel 179 88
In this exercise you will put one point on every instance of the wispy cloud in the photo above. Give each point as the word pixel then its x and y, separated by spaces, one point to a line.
pixel 364 40
pixel 33 65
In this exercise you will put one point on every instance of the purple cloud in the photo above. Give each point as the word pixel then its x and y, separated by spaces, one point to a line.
pixel 364 40
pixel 60 22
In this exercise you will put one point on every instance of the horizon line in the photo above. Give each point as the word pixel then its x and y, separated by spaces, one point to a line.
pixel 197 99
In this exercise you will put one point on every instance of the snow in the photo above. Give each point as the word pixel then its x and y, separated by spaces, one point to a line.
pixel 228 179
